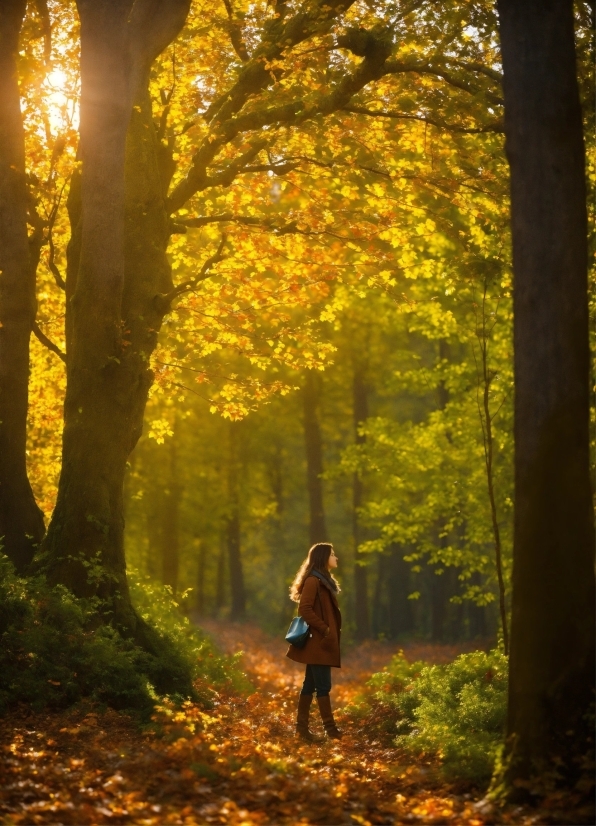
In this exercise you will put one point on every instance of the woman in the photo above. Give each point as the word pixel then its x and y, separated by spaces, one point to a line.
pixel 315 589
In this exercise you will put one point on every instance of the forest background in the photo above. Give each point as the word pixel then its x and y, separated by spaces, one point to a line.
pixel 344 371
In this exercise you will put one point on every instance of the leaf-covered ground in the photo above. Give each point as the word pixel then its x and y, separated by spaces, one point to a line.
pixel 237 764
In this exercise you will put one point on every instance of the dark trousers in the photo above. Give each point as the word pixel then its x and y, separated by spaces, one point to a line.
pixel 317 677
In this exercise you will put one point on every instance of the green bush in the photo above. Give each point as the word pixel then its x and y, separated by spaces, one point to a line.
pixel 457 713
pixel 454 713
pixel 54 652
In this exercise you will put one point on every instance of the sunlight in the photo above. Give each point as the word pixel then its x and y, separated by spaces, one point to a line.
pixel 62 102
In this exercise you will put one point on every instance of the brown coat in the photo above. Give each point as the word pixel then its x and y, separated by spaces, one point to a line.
pixel 318 607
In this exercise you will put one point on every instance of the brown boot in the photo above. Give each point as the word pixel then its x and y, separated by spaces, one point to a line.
pixel 302 730
pixel 331 729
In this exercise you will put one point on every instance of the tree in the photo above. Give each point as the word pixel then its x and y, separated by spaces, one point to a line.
pixel 232 526
pixel 360 413
pixel 107 364
pixel 314 457
pixel 21 521
pixel 552 626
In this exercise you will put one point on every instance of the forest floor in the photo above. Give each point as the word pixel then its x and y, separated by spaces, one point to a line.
pixel 237 764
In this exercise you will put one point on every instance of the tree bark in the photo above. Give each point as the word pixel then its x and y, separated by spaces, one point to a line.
pixel 117 267
pixel 401 615
pixel 201 566
pixel 21 521
pixel 552 628
pixel 238 593
pixel 220 585
pixel 314 457
pixel 170 556
pixel 360 412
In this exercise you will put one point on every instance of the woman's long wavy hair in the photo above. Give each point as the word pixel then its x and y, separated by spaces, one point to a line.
pixel 318 557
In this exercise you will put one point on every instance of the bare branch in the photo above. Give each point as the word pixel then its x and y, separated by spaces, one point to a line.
pixel 235 32
pixel 46 28
pixel 495 126
pixel 163 301
pixel 47 342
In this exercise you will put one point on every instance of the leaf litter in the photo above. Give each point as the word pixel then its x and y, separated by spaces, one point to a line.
pixel 236 764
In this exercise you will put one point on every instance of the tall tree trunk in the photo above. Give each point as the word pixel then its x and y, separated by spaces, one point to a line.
pixel 170 556
pixel 202 564
pixel 21 521
pixel 438 582
pixel 314 457
pixel 552 629
pixel 401 614
pixel 360 412
pixel 238 593
pixel 117 266
pixel 438 605
pixel 220 584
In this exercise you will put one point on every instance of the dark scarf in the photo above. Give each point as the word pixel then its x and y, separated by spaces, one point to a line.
pixel 326 579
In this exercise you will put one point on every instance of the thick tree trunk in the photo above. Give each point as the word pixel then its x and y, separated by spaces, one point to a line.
pixel 314 457
pixel 238 593
pixel 360 412
pixel 552 629
pixel 117 267
pixel 21 521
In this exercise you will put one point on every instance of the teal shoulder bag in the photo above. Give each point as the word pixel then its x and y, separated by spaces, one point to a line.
pixel 298 633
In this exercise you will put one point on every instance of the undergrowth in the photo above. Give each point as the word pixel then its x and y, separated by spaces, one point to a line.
pixel 452 714
pixel 54 652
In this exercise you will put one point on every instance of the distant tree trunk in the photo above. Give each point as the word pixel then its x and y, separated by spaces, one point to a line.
pixel 438 582
pixel 379 612
pixel 485 379
pixel 438 603
pixel 552 630
pixel 314 457
pixel 360 412
pixel 238 593
pixel 116 268
pixel 401 615
pixel 220 584
pixel 202 563
pixel 170 510
pixel 21 521
pixel 477 613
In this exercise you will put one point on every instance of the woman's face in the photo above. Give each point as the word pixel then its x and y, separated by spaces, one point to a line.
pixel 333 560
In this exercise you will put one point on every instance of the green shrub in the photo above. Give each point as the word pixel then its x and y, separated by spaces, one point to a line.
pixel 374 707
pixel 54 652
pixel 453 713
pixel 456 712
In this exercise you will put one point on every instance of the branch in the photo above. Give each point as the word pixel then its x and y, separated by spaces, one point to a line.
pixel 58 278
pixel 372 67
pixel 495 126
pixel 281 35
pixel 480 68
pixel 163 301
pixel 46 29
pixel 47 342
pixel 153 25
pixel 235 32
pixel 197 179
pixel 250 221
pixel 395 67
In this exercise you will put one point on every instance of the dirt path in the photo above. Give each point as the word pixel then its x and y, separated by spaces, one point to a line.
pixel 238 764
